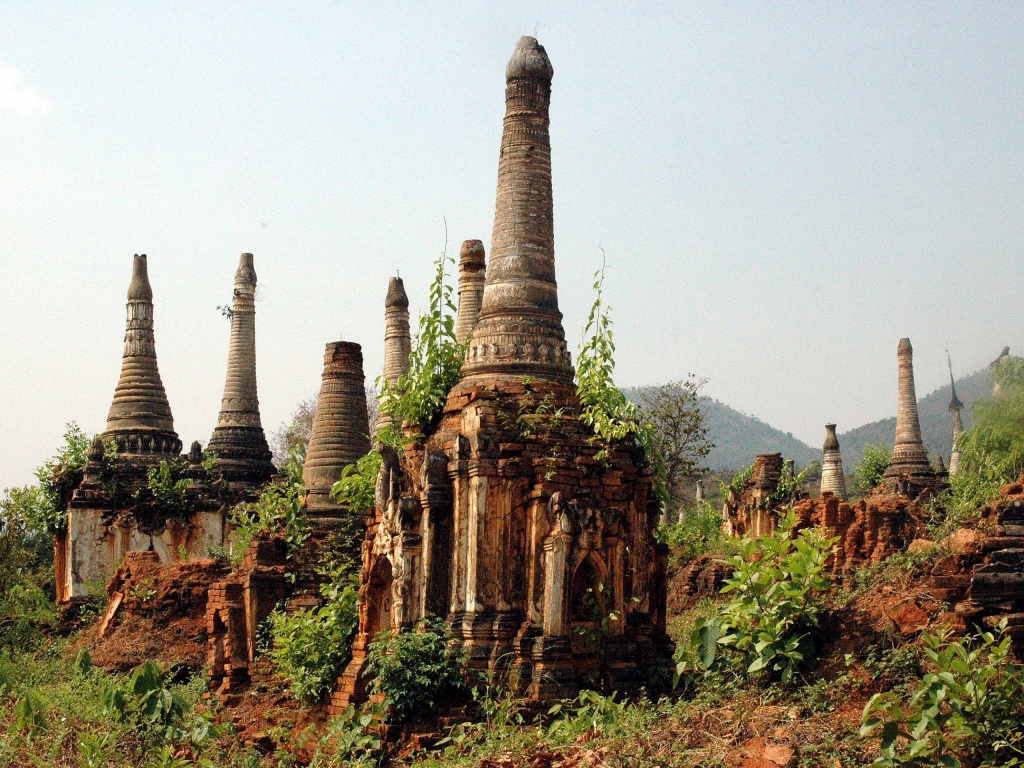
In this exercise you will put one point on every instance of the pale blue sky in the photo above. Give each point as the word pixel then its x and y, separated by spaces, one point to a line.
pixel 782 190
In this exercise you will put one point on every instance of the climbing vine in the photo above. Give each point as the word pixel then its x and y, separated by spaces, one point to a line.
pixel 434 363
pixel 604 408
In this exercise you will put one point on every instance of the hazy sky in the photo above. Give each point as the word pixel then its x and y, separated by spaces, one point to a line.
pixel 782 191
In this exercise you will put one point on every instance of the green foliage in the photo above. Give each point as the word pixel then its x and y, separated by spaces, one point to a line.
pixel 169 485
pixel 58 479
pixel 994 444
pixel 149 704
pixel 779 592
pixel 434 363
pixel 311 647
pixel 28 715
pixel 604 408
pixel 969 706
pixel 738 481
pixel 348 741
pixel 589 713
pixel 699 532
pixel 277 510
pixel 790 482
pixel 25 610
pixel 358 484
pixel 413 668
pixel 678 433
pixel 869 470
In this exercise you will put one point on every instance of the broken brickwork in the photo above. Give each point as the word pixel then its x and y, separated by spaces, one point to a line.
pixel 756 509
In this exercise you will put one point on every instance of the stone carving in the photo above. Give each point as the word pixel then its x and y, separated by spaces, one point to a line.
pixel 832 478
pixel 140 420
pixel 243 456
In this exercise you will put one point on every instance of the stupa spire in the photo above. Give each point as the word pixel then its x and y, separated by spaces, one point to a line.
pixel 832 478
pixel 519 331
pixel 908 455
pixel 238 439
pixel 472 274
pixel 955 406
pixel 341 431
pixel 140 420
pixel 397 337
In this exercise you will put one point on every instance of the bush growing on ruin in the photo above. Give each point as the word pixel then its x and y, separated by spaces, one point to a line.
pixel 277 510
pixel 358 484
pixel 698 532
pixel 311 647
pixel 968 706
pixel 58 479
pixel 778 596
pixel 414 668
pixel 678 433
pixel 869 470
pixel 435 363
pixel 603 406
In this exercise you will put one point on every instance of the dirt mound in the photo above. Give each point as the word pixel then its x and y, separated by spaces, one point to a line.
pixel 155 612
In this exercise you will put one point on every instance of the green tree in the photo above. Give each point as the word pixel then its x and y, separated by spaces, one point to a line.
pixel 679 436
pixel 994 445
pixel 869 470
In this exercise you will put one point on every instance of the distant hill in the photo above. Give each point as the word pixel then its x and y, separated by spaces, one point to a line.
pixel 738 438
pixel 936 421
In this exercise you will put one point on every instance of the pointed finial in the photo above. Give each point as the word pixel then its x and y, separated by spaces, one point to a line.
pixel 139 288
pixel 954 402
pixel 396 296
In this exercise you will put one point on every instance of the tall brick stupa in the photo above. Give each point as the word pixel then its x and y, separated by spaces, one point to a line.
pixel 908 466
pixel 538 553
pixel 243 455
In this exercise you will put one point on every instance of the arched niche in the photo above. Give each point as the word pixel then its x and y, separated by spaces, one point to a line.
pixel 379 597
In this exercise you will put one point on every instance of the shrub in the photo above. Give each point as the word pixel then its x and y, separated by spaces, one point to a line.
pixel 778 593
pixel 310 648
pixel 347 741
pixel 698 533
pixel 971 705
pixel 413 668
pixel 869 470
pixel 148 703
pixel 59 477
pixel 278 509
pixel 358 484
pixel 589 713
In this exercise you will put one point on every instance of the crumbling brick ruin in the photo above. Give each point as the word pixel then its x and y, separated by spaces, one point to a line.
pixel 755 510
pixel 541 558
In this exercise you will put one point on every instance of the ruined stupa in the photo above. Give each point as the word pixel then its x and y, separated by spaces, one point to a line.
pixel 832 478
pixel 107 520
pixel 472 275
pixel 341 432
pixel 955 407
pixel 397 340
pixel 541 557
pixel 243 456
pixel 908 470
pixel 139 420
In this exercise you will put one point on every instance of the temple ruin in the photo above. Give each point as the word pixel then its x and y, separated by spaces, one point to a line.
pixel 539 556
pixel 112 512
pixel 955 407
